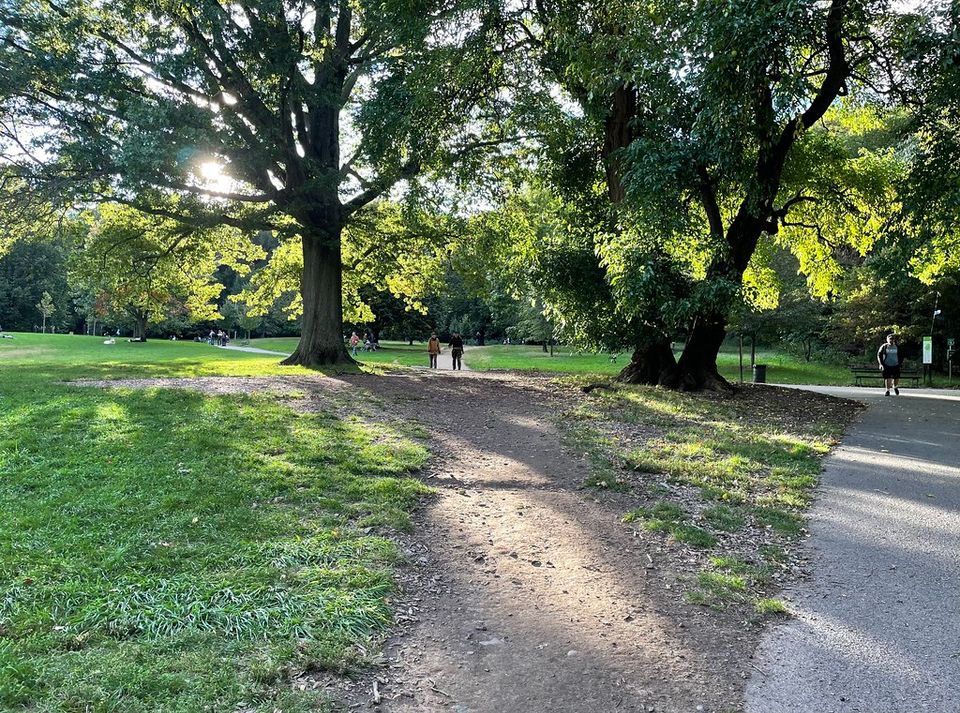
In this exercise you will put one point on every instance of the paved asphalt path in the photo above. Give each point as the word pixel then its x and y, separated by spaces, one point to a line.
pixel 877 629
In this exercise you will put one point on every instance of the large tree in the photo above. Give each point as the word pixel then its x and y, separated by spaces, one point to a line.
pixel 705 120
pixel 286 115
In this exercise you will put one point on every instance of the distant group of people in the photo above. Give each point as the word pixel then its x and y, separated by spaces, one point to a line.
pixel 218 338
pixel 369 341
pixel 456 350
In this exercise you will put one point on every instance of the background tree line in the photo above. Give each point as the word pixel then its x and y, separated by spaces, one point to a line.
pixel 617 175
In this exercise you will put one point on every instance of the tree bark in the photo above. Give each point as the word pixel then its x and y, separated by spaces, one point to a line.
pixel 321 335
pixel 652 363
pixel 697 368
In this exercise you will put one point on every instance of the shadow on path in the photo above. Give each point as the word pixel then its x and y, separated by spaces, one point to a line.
pixel 530 594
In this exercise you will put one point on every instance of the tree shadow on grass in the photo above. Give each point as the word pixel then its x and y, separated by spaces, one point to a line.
pixel 165 523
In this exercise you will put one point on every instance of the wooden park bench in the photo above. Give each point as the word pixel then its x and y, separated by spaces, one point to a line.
pixel 865 375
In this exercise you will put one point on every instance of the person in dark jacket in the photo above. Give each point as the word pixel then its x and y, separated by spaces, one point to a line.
pixel 456 350
pixel 890 358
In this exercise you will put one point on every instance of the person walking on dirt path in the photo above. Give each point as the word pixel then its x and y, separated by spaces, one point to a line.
pixel 433 349
pixel 354 341
pixel 890 357
pixel 456 351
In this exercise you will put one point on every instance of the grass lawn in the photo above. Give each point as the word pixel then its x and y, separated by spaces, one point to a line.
pixel 390 353
pixel 172 551
pixel 782 368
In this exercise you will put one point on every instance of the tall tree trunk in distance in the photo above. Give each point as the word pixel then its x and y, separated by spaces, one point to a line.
pixel 141 327
pixel 321 286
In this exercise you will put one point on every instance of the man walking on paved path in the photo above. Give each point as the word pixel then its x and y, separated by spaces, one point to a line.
pixel 874 629
pixel 890 357
pixel 433 349
pixel 456 351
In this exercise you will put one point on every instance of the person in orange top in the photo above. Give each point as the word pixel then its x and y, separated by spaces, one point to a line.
pixel 433 349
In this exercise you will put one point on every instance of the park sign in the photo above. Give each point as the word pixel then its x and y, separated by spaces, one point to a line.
pixel 928 350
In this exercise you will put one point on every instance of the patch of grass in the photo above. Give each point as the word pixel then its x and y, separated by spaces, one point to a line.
pixel 389 354
pixel 724 518
pixel 729 581
pixel 767 606
pixel 171 551
pixel 597 447
pixel 754 457
pixel 782 368
pixel 669 518
pixel 737 451
pixel 718 589
pixel 783 521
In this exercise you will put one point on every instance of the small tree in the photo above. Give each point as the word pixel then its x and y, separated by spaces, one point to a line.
pixel 46 307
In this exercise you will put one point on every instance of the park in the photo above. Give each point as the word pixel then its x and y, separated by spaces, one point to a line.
pixel 479 357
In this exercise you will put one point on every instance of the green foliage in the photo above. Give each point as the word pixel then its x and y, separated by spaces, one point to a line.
pixel 264 115
pixel 932 189
pixel 142 267
pixel 29 268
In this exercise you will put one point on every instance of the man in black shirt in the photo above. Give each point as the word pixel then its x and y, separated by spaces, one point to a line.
pixel 456 350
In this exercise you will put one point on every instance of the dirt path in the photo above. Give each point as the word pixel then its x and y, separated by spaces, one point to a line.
pixel 526 592
pixel 536 597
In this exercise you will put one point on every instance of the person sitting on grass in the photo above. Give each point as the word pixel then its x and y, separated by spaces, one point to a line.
pixel 890 357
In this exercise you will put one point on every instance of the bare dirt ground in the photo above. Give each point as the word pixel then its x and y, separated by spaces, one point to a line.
pixel 524 592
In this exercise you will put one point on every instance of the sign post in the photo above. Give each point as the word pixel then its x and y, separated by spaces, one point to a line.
pixel 950 343
pixel 927 356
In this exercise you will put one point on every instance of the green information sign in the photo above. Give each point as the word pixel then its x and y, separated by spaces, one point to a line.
pixel 928 350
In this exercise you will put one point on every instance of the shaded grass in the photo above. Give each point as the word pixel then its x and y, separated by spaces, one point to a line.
pixel 669 518
pixel 390 353
pixel 171 551
pixel 729 580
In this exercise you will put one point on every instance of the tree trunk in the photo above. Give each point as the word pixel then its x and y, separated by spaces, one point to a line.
pixel 321 335
pixel 141 328
pixel 652 364
pixel 697 367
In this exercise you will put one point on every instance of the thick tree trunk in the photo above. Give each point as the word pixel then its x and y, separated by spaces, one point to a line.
pixel 697 368
pixel 321 335
pixel 652 364
pixel 141 329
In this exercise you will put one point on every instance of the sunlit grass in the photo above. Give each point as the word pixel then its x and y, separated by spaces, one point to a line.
pixel 707 468
pixel 782 368
pixel 172 551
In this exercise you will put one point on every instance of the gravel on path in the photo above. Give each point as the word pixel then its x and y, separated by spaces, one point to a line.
pixel 254 350
pixel 876 629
